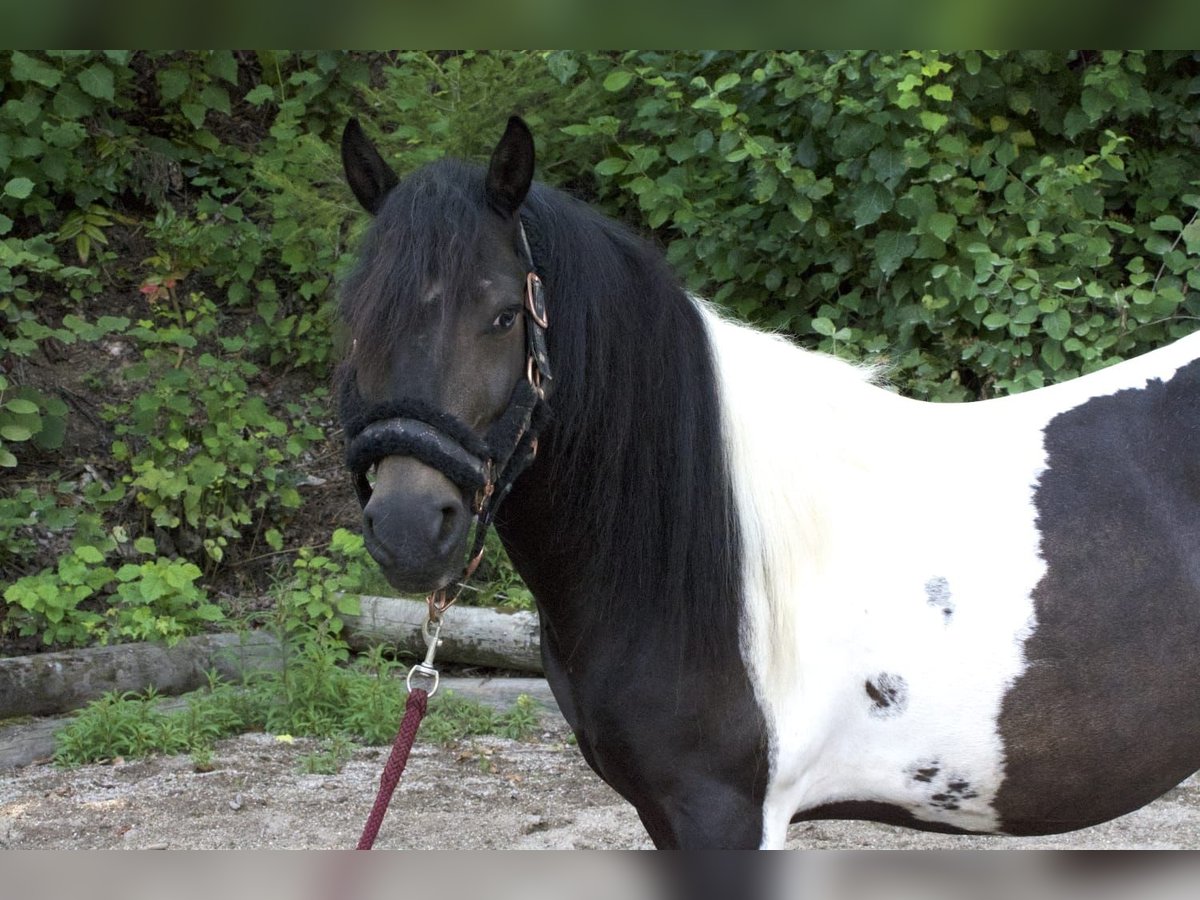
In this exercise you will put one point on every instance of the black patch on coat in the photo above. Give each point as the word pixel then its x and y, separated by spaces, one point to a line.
pixel 937 594
pixel 874 811
pixel 888 693
pixel 1106 716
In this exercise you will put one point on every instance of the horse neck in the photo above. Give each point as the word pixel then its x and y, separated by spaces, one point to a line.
pixel 626 520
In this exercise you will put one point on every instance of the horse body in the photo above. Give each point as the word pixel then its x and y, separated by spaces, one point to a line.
pixel 772 590
pixel 892 588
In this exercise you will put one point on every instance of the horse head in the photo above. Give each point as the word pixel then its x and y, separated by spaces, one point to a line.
pixel 447 351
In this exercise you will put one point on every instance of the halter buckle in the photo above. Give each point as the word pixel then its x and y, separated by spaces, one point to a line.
pixel 535 301
pixel 534 376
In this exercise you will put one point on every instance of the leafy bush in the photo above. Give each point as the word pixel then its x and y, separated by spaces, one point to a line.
pixel 987 222
pixel 983 222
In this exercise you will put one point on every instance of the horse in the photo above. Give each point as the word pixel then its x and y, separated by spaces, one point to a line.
pixel 770 588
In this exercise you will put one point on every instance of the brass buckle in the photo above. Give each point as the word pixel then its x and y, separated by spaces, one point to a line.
pixel 534 376
pixel 532 284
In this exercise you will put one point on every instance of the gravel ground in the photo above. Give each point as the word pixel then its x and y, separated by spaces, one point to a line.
pixel 485 793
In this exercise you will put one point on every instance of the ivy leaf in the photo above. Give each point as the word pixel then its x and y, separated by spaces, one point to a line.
pixel 870 202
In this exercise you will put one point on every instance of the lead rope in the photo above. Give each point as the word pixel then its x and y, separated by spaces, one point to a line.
pixel 414 712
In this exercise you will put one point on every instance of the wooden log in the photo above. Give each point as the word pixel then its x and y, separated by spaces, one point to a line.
pixel 471 635
pixel 49 683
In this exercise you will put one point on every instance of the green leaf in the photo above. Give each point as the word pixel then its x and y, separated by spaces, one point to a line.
pixel 1167 223
pixel 260 95
pixel 194 113
pixel 610 166
pixel 19 188
pixel 932 121
pixel 145 545
pixel 172 83
pixel 15 433
pixel 215 97
pixel 21 407
pixel 892 248
pixel 97 80
pixel 870 202
pixel 7 460
pixel 617 80
pixel 89 554
pixel 6 224
pixel 727 81
pixel 941 92
pixel 26 68
pixel 824 326
pixel 995 320
pixel 1057 325
pixel 941 225
pixel 222 64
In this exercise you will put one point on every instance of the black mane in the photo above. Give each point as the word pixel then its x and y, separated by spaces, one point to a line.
pixel 636 460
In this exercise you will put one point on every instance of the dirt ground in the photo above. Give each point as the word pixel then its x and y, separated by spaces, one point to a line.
pixel 482 793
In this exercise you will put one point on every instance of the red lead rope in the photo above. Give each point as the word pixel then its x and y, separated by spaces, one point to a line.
pixel 414 711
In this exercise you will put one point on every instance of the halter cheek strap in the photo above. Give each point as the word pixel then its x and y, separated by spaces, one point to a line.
pixel 486 467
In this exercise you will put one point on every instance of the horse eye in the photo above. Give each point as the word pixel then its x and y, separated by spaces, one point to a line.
pixel 506 320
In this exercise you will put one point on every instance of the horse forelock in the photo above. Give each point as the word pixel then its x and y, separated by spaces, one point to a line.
pixel 423 247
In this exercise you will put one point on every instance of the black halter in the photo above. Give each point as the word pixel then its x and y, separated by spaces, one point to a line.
pixel 484 467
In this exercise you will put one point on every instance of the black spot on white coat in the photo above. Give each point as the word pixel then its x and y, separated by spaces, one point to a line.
pixel 888 693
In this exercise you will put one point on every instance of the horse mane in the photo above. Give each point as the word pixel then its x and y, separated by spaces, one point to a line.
pixel 637 454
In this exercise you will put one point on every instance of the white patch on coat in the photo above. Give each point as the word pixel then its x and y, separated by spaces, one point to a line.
pixel 851 499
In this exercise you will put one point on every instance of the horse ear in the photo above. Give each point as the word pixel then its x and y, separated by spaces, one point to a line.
pixel 511 170
pixel 369 176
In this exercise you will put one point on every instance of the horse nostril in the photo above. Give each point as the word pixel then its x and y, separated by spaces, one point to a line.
pixel 448 526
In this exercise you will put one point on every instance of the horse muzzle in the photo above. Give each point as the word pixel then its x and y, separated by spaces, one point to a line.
pixel 415 525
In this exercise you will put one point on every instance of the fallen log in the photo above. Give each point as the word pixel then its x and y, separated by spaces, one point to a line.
pixel 49 683
pixel 471 635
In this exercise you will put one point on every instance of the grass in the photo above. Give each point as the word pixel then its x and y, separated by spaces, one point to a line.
pixel 318 693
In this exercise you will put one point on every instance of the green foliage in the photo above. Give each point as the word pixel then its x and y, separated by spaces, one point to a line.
pixel 985 222
pixel 498 582
pixel 152 600
pixel 324 587
pixel 206 458
pixel 981 222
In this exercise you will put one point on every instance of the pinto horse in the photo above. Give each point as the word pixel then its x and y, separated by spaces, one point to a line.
pixel 769 589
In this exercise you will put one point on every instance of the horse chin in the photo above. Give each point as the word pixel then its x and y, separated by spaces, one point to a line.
pixel 418 583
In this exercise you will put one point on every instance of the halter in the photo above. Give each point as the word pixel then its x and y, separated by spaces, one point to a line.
pixel 485 468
